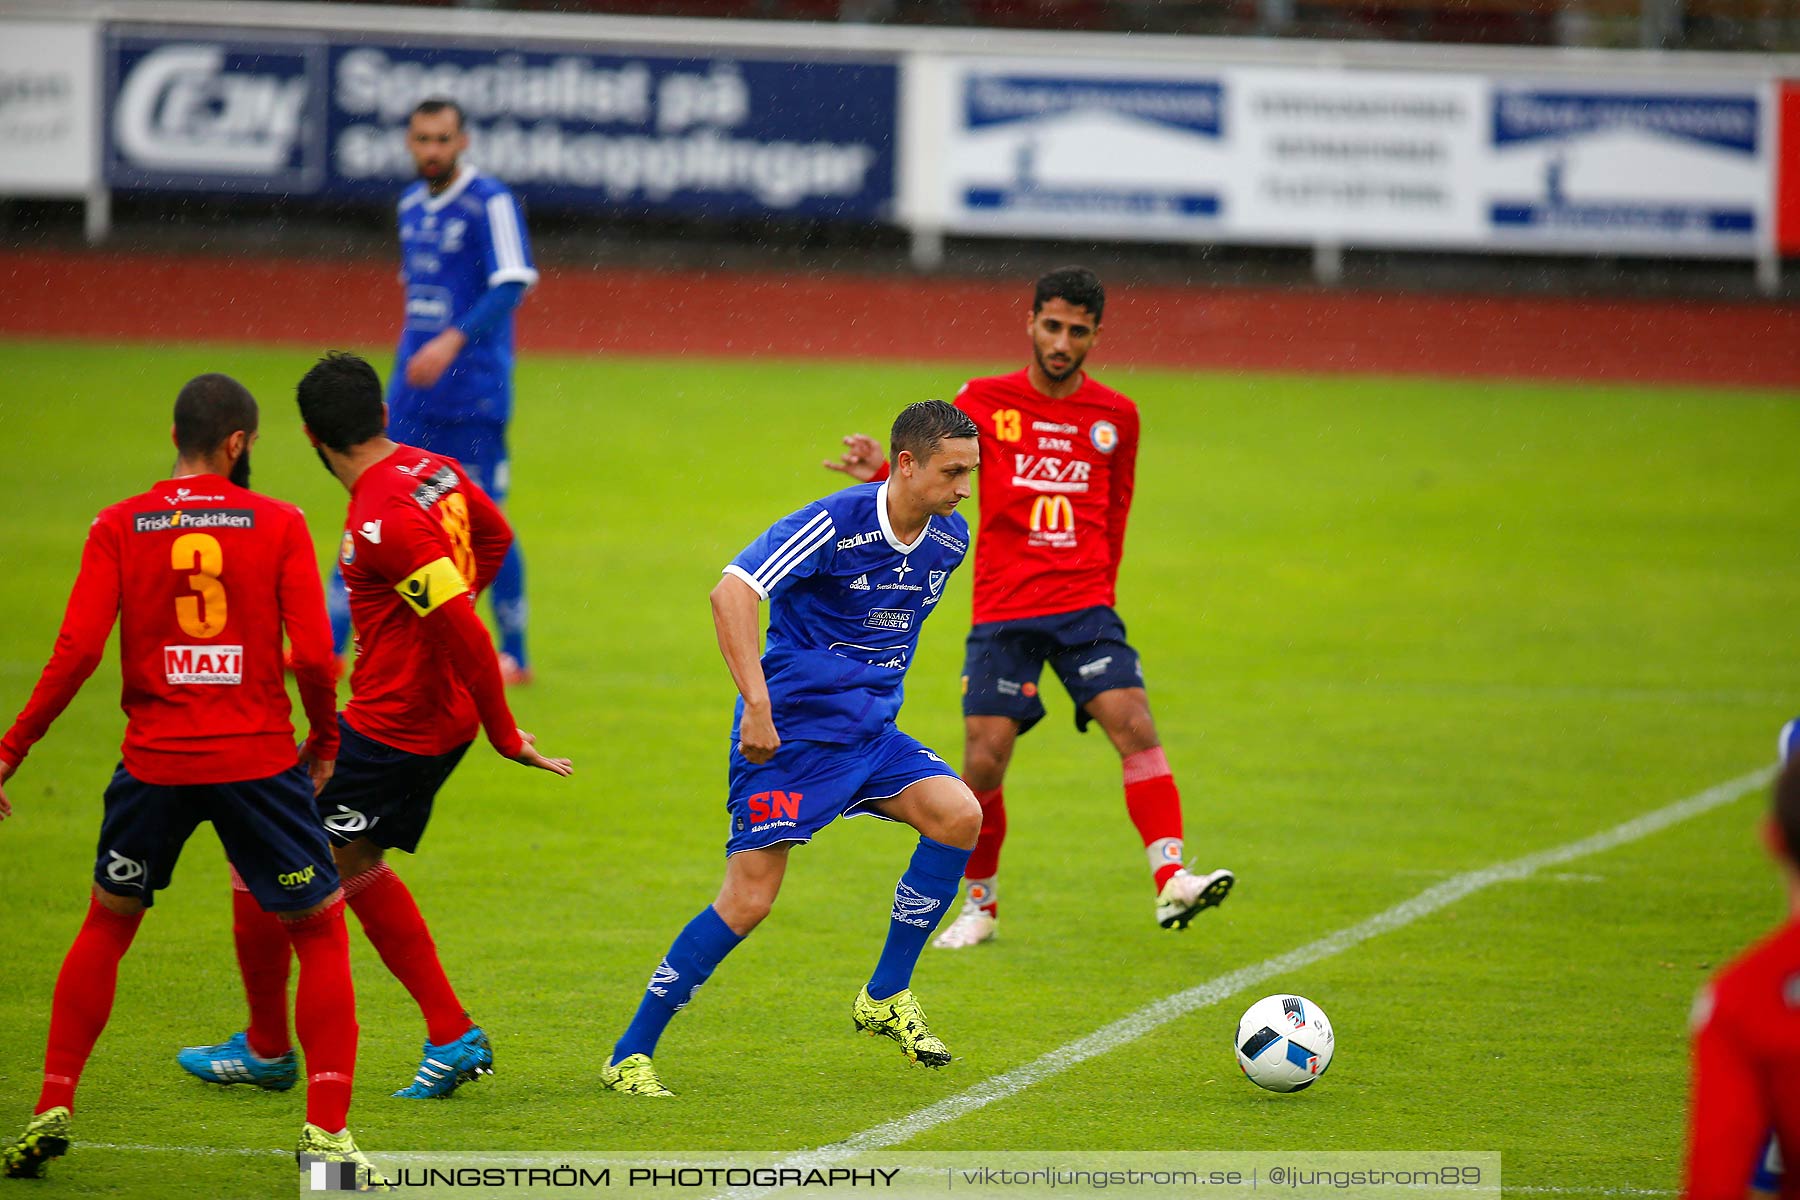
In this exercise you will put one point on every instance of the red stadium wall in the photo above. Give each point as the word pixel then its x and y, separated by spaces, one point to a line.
pixel 327 304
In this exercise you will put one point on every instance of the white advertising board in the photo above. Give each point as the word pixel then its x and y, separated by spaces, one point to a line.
pixel 48 95
pixel 1134 150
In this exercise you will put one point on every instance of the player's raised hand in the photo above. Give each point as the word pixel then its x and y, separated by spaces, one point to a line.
pixel 861 461
pixel 530 757
pixel 6 772
pixel 757 739
pixel 430 361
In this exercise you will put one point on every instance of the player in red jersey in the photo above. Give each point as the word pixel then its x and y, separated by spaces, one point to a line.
pixel 202 576
pixel 1059 459
pixel 1747 1043
pixel 420 542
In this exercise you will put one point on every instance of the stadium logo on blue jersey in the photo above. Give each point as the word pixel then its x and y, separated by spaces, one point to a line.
pixel 861 539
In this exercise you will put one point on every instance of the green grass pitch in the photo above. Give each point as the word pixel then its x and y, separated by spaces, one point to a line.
pixel 1394 630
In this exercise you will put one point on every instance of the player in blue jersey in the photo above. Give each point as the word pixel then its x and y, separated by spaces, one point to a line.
pixel 466 263
pixel 849 579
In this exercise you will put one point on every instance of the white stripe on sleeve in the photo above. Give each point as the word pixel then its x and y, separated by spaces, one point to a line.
pixel 509 247
pixel 792 552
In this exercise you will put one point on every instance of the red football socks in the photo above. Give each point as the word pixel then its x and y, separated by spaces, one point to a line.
pixel 83 1000
pixel 264 958
pixel 391 919
pixel 1154 803
pixel 984 861
pixel 325 1013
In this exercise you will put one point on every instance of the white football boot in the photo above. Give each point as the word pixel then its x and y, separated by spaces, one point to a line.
pixel 1187 894
pixel 972 927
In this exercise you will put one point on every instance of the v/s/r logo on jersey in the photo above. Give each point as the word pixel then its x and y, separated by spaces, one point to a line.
pixel 1047 473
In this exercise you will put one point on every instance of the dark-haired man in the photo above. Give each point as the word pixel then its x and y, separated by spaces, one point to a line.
pixel 420 542
pixel 850 580
pixel 1061 458
pixel 1744 1116
pixel 203 577
pixel 466 265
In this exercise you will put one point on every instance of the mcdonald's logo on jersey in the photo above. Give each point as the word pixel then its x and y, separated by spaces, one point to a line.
pixel 1051 514
pixel 1052 521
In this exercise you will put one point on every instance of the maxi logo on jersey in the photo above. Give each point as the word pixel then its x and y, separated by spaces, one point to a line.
pixel 203 664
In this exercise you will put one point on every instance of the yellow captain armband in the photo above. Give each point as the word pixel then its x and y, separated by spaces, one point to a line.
pixel 431 586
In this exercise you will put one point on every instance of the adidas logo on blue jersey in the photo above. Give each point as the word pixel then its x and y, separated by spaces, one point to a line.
pixel 860 584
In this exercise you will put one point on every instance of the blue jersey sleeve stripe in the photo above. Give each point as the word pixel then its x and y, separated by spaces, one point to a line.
pixel 781 564
pixel 812 535
pixel 503 221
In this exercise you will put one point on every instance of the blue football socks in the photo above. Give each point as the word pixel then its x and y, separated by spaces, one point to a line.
pixel 920 901
pixel 698 950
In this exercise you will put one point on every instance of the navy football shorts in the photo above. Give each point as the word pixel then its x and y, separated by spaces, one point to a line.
pixel 480 446
pixel 380 793
pixel 268 828
pixel 1086 648
pixel 808 785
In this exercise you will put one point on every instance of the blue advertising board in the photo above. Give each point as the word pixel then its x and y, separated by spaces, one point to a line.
pixel 701 135
pixel 224 113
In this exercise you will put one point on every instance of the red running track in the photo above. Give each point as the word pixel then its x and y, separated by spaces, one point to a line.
pixel 110 297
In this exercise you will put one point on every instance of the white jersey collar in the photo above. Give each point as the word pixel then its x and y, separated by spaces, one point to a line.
pixel 887 530
pixel 465 175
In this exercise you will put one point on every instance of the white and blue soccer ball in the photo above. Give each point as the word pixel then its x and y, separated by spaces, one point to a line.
pixel 1284 1043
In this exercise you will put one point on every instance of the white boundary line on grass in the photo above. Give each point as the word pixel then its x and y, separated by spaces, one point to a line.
pixel 1170 1008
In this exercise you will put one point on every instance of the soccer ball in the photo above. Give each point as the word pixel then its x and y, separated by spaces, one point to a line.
pixel 1284 1043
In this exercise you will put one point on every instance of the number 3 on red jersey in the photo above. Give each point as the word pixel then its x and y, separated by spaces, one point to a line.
pixel 202 615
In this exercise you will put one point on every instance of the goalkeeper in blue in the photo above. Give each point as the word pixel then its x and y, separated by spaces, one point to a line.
pixel 849 580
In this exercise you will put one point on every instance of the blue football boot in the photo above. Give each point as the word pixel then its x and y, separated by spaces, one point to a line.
pixel 231 1062
pixel 447 1067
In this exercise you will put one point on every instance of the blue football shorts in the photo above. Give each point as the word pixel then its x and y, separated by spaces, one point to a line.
pixel 380 793
pixel 268 828
pixel 480 446
pixel 1086 648
pixel 808 785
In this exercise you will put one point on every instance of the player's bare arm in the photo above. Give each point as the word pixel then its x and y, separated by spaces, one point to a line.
pixel 6 773
pixel 430 361
pixel 863 459
pixel 734 608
